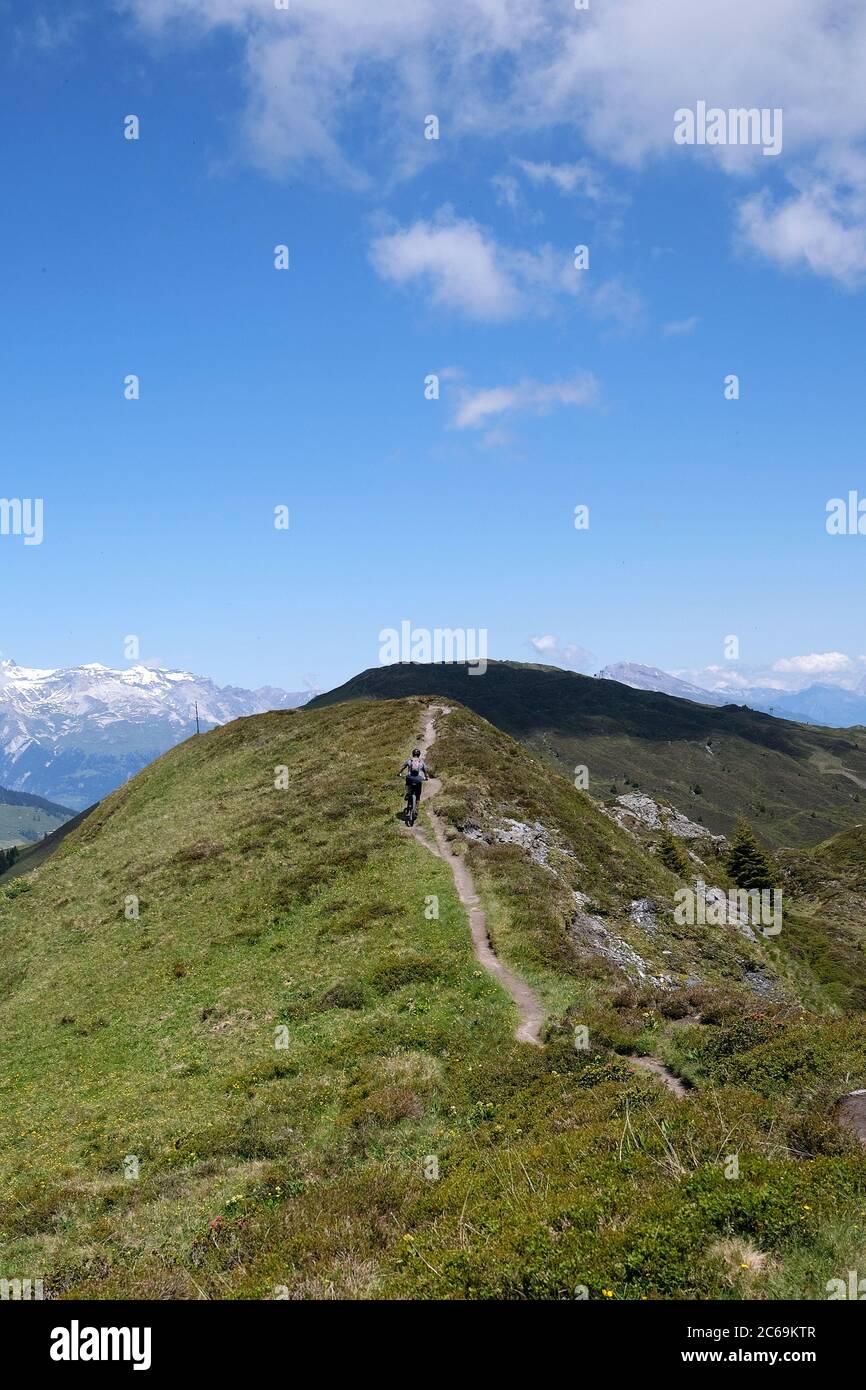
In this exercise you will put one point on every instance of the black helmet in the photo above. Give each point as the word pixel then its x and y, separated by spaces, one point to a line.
pixel 416 752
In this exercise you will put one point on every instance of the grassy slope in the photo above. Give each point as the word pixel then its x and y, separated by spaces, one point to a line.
pixel 844 857
pixel 264 1169
pixel 827 928
pixel 31 856
pixel 786 778
pixel 25 819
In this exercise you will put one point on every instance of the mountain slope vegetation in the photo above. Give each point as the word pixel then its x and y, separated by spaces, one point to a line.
pixel 827 884
pixel 30 856
pixel 248 1051
pixel 75 734
pixel 25 818
pixel 797 783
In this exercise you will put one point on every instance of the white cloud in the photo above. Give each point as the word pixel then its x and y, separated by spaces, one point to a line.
pixel 508 192
pixel 344 86
pixel 52 33
pixel 459 263
pixel 618 302
pixel 569 655
pixel 680 327
pixel 821 227
pixel 580 177
pixel 463 267
pixel 476 408
pixel 624 74
pixel 788 673
pixel 815 664
pixel 713 677
pixel 617 72
pixel 325 76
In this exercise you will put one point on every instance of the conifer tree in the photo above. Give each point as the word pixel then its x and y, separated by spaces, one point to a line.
pixel 672 854
pixel 748 863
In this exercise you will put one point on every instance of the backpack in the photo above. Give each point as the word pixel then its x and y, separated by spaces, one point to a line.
pixel 415 767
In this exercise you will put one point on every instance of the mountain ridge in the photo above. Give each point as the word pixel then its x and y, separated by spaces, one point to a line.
pixel 290 1077
pixel 797 783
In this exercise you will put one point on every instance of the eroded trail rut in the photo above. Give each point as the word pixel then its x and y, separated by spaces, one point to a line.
pixel 529 1009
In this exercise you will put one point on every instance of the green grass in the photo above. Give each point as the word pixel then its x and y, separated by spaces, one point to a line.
pixel 30 856
pixel 155 1037
pixel 25 821
pixel 307 1170
pixel 788 779
pixel 842 857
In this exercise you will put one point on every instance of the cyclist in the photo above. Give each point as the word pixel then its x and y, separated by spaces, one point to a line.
pixel 417 773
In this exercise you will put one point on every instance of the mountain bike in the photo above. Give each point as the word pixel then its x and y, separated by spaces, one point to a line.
pixel 413 796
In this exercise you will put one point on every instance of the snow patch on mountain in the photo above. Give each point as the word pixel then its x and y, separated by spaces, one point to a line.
pixel 74 734
pixel 651 678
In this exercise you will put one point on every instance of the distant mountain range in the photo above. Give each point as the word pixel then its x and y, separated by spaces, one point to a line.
pixel 831 705
pixel 74 735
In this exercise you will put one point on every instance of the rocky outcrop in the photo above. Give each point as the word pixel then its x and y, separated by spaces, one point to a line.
pixel 590 931
pixel 535 839
pixel 636 810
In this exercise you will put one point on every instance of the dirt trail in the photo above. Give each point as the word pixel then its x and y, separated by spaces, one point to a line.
pixel 831 769
pixel 851 1112
pixel 664 1074
pixel 530 1011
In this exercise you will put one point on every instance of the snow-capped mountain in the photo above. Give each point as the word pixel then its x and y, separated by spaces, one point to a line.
pixel 74 735
pixel 651 678
pixel 816 704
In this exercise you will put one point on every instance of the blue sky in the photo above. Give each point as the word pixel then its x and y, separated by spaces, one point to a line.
pixel 410 257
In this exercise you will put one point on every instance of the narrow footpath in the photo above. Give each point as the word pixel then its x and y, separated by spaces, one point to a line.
pixel 529 1008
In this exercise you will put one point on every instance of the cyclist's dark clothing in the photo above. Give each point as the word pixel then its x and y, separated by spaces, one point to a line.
pixel 416 776
pixel 415 780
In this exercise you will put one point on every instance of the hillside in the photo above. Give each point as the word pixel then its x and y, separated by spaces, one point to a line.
pixel 844 857
pixel 77 733
pixel 828 928
pixel 796 783
pixel 285 1074
pixel 32 855
pixel 25 819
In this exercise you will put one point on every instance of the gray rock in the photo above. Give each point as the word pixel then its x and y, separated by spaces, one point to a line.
pixel 637 807
pixel 598 935
pixel 643 913
pixel 535 840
